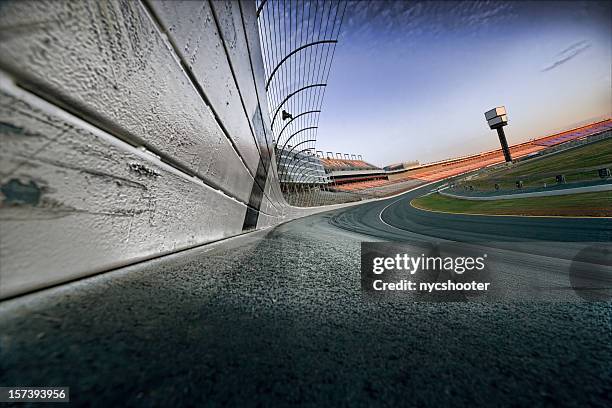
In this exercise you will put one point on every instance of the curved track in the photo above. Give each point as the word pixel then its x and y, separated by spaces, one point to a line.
pixel 396 219
pixel 277 318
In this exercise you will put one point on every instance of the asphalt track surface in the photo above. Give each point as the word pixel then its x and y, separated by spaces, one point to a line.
pixel 396 219
pixel 277 318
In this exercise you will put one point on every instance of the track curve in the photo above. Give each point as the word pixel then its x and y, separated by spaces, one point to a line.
pixel 276 317
pixel 396 219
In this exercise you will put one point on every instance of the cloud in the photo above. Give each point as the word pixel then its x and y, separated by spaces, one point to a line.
pixel 572 47
pixel 406 25
pixel 567 54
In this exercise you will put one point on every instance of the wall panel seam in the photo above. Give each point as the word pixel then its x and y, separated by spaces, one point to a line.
pixel 172 47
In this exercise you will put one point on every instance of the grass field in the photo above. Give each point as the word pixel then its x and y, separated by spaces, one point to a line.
pixel 577 164
pixel 587 204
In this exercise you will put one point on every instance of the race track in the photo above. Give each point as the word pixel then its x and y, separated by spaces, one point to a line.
pixel 278 318
pixel 396 219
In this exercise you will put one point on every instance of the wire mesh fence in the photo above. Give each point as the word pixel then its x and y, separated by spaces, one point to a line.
pixel 298 41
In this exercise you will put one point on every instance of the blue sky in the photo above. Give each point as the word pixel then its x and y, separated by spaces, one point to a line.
pixel 411 81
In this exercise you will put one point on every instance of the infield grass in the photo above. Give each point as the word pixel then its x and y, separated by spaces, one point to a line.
pixel 578 164
pixel 597 204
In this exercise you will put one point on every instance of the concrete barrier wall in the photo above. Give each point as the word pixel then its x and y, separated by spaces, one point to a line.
pixel 129 129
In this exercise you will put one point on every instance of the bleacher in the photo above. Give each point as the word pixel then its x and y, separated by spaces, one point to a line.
pixel 362 185
pixel 353 174
pixel 346 164
pixel 575 133
pixel 453 167
pixel 349 179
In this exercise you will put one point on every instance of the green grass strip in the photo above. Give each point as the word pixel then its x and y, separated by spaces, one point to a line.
pixel 597 204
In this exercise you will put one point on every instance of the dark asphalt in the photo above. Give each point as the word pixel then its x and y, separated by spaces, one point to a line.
pixel 277 318
pixel 395 219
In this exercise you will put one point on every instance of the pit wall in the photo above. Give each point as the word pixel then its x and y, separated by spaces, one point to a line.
pixel 129 129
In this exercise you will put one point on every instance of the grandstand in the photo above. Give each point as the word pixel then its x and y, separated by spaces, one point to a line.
pixel 352 174
pixel 332 165
pixel 399 167
pixel 361 185
pixel 452 167
pixel 574 134
pixel 447 168
pixel 358 175
pixel 301 167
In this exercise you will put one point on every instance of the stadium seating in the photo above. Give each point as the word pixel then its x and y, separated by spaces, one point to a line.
pixel 575 133
pixel 361 185
pixel 344 164
pixel 452 167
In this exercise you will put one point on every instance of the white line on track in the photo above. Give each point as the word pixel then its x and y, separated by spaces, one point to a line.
pixel 399 199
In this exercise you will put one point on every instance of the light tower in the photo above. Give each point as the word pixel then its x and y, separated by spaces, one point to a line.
pixel 497 119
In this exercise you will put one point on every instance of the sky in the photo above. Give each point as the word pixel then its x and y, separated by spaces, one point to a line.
pixel 411 80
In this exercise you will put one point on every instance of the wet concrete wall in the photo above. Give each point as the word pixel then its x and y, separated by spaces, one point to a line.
pixel 129 129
